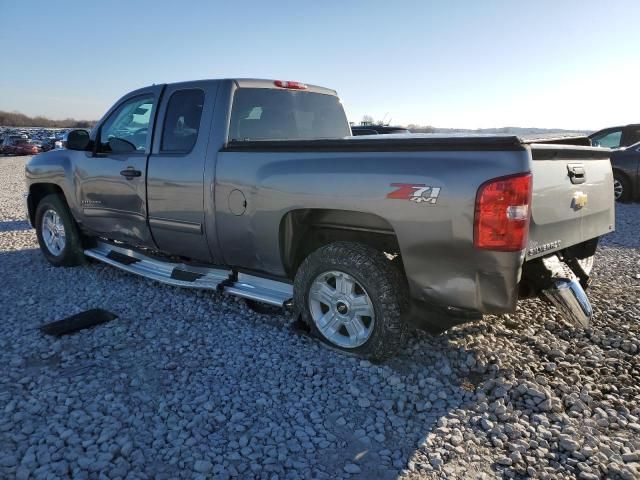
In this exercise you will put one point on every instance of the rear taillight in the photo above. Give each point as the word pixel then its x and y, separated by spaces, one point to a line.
pixel 292 85
pixel 502 213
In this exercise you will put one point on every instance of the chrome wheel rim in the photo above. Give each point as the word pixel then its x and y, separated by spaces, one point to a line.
pixel 618 189
pixel 341 309
pixel 53 234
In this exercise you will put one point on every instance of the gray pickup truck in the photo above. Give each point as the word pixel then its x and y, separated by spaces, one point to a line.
pixel 256 188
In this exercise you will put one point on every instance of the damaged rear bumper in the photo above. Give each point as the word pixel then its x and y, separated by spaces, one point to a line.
pixel 549 278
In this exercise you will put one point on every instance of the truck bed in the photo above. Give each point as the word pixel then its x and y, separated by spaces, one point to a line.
pixel 557 221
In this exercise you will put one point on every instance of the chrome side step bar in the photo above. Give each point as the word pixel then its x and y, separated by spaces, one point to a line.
pixel 179 274
pixel 133 261
pixel 261 289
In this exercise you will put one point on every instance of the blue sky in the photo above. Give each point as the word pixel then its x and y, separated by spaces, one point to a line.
pixel 563 64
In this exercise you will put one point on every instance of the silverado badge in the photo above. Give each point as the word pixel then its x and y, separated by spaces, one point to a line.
pixel 416 192
pixel 579 200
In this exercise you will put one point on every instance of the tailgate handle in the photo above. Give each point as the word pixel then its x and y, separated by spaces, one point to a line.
pixel 576 173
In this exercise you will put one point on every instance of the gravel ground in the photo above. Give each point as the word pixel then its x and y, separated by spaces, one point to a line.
pixel 187 384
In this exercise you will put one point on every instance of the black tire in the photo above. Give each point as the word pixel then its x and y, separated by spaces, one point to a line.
pixel 72 253
pixel 264 308
pixel 624 183
pixel 380 279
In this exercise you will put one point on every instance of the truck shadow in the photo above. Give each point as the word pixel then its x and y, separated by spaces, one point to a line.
pixel 401 405
pixel 454 380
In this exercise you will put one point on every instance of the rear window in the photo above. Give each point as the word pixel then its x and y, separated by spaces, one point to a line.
pixel 182 121
pixel 269 114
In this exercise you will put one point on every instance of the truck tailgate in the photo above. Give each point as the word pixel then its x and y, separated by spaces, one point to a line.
pixel 572 197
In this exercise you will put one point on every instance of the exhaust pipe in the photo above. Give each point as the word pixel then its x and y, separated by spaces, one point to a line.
pixel 566 293
pixel 569 298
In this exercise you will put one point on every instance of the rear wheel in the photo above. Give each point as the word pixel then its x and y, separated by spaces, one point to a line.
pixel 352 297
pixel 621 188
pixel 57 233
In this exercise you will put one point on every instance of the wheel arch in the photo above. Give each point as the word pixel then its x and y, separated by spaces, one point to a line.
pixel 37 192
pixel 303 231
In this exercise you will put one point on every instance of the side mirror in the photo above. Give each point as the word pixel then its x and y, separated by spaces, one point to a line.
pixel 78 140
pixel 120 145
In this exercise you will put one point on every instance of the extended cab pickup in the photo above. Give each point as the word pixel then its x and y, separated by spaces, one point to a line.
pixel 256 188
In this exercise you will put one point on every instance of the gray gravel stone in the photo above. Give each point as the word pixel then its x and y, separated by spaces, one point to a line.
pixel 352 468
pixel 8 460
pixel 202 466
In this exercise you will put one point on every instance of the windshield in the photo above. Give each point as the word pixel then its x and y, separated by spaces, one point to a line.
pixel 270 114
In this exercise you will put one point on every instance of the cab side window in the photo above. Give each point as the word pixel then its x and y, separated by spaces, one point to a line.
pixel 127 129
pixel 182 121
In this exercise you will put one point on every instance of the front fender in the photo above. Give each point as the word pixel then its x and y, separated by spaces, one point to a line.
pixel 52 169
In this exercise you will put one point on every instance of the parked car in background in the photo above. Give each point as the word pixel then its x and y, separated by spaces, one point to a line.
pixel 626 173
pixel 47 144
pixel 9 143
pixel 616 137
pixel 26 147
pixel 358 130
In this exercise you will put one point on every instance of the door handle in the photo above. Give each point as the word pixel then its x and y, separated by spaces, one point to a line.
pixel 577 173
pixel 130 173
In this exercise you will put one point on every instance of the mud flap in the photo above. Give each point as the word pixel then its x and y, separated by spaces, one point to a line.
pixel 79 321
pixel 566 293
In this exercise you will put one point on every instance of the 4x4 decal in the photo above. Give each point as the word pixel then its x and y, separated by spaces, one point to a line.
pixel 416 192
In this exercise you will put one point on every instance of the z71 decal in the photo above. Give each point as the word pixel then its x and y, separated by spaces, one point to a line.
pixel 416 192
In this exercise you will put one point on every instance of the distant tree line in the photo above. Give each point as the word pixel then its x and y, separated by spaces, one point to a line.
pixel 17 119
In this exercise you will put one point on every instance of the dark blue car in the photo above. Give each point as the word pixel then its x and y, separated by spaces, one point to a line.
pixel 626 172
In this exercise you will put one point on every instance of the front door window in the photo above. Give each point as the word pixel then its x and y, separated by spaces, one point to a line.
pixel 127 129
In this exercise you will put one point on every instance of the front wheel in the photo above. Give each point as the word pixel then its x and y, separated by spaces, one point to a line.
pixel 57 233
pixel 352 297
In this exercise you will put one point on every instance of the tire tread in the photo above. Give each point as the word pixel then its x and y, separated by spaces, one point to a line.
pixel 375 271
pixel 73 253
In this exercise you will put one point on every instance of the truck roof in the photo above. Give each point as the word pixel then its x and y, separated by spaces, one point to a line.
pixel 256 83
pixel 615 127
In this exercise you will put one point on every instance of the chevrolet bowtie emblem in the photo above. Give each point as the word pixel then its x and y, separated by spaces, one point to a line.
pixel 579 200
